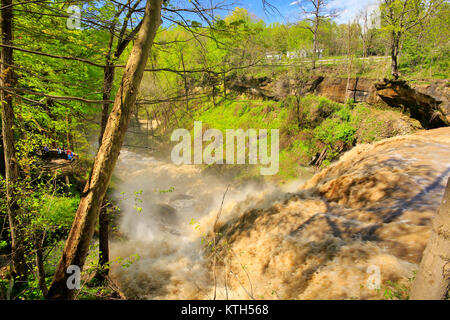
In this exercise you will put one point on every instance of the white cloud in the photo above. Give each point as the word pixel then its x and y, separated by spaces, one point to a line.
pixel 348 9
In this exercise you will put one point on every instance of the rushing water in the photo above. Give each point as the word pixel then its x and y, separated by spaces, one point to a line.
pixel 179 205
pixel 372 209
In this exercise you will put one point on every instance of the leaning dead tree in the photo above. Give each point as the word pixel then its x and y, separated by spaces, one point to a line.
pixel 433 278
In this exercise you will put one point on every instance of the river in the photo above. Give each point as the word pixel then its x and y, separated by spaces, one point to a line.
pixel 316 240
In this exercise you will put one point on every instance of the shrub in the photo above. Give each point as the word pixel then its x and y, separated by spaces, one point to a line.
pixel 60 211
pixel 333 130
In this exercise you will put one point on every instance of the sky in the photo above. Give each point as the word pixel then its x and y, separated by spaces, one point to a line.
pixel 289 9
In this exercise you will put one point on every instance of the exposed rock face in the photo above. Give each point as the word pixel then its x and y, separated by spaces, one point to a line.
pixel 439 90
pixel 251 86
pixel 361 90
pixel 422 107
pixel 429 104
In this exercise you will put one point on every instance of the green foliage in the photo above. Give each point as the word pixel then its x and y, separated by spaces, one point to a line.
pixel 426 50
pixel 49 121
pixel 421 28
pixel 47 213
pixel 317 109
pixel 323 122
pixel 59 211
pixel 127 262
pixel 398 290
pixel 333 130
pixel 171 189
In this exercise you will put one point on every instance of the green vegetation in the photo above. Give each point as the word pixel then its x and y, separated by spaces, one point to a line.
pixel 324 125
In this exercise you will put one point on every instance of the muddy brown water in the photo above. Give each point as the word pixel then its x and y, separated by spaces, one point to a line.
pixel 371 209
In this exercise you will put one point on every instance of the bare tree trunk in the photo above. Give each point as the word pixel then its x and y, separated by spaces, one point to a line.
pixel 103 244
pixel 364 48
pixel 108 79
pixel 80 236
pixel 299 115
pixel 40 265
pixel 69 136
pixel 349 61
pixel 214 94
pixel 147 114
pixel 224 80
pixel 2 158
pixel 136 119
pixel 19 267
pixel 433 278
pixel 394 54
pixel 365 30
pixel 316 27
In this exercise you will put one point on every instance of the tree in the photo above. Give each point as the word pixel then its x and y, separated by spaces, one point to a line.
pixel 19 266
pixel 425 47
pixel 351 49
pixel 364 20
pixel 399 17
pixel 112 56
pixel 433 278
pixel 77 244
pixel 41 30
pixel 316 12
pixel 299 36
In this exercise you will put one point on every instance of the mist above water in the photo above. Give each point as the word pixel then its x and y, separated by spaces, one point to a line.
pixel 179 205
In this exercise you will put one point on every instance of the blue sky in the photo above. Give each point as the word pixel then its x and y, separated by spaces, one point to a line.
pixel 290 11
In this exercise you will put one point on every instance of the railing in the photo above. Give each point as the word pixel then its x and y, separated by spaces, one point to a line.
pixel 323 61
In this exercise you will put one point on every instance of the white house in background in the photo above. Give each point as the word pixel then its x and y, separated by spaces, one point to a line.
pixel 274 56
pixel 303 53
pixel 295 54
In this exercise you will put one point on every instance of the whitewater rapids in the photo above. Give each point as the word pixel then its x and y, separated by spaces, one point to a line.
pixel 313 240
